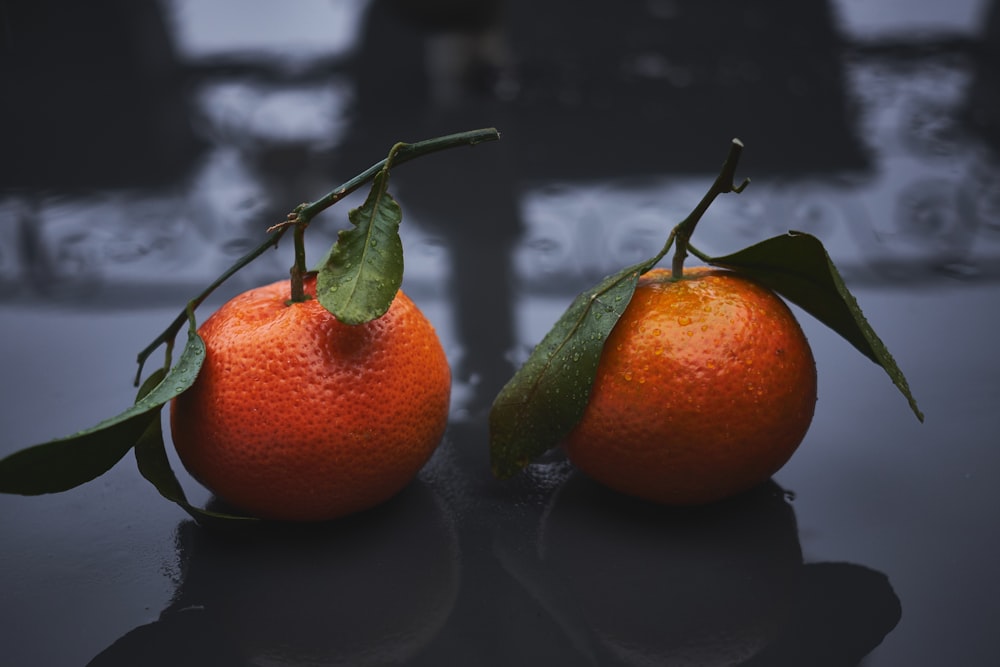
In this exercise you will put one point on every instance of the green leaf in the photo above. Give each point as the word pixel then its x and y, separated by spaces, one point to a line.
pixel 151 459
pixel 546 398
pixel 68 462
pixel 364 270
pixel 797 266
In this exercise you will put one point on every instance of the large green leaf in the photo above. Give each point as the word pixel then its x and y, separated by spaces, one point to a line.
pixel 797 266
pixel 67 462
pixel 364 269
pixel 546 398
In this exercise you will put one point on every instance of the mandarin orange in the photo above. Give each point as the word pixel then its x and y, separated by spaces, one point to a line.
pixel 705 388
pixel 297 416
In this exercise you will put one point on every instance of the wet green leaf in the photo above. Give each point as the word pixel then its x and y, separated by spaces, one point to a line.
pixel 364 269
pixel 151 459
pixel 545 399
pixel 797 266
pixel 67 462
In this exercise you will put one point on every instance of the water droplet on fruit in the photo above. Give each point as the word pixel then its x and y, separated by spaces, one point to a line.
pixel 627 376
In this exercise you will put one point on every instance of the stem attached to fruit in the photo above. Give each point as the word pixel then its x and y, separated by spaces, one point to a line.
pixel 300 218
pixel 723 184
pixel 400 153
pixel 299 269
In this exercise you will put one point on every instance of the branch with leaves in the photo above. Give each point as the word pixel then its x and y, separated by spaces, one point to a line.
pixel 68 462
pixel 547 396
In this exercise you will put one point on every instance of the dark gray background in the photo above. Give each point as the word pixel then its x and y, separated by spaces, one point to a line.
pixel 145 146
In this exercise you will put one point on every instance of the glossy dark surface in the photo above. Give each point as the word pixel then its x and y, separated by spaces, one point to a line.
pixel 145 146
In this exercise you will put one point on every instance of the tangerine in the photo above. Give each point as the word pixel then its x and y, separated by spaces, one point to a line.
pixel 705 388
pixel 297 416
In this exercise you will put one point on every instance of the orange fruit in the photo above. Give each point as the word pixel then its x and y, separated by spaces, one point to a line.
pixel 297 416
pixel 704 389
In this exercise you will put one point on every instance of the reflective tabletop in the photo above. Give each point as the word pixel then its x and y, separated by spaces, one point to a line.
pixel 146 146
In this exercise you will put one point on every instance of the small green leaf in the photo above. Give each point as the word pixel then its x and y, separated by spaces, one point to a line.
pixel 364 270
pixel 546 398
pixel 797 266
pixel 151 459
pixel 68 462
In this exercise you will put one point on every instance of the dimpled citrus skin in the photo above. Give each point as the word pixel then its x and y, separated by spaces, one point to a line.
pixel 296 416
pixel 705 388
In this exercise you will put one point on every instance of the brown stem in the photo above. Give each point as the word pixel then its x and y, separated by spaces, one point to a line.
pixel 299 270
pixel 723 184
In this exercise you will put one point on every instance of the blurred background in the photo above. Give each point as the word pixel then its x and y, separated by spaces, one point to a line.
pixel 145 146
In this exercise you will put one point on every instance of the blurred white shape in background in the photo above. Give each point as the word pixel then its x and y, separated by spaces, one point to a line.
pixel 290 33
pixel 867 19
